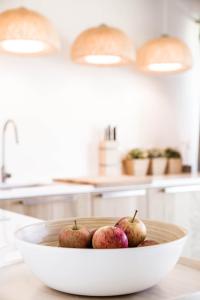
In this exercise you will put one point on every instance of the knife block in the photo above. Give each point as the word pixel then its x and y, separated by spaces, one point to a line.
pixel 109 158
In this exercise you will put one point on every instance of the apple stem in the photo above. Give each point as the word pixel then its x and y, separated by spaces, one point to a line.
pixel 75 225
pixel 136 211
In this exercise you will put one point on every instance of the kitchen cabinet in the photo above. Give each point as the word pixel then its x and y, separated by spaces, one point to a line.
pixel 180 205
pixel 115 204
pixel 52 207
pixel 118 204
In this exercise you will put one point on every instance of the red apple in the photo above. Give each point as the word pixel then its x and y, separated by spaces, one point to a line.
pixel 134 228
pixel 109 237
pixel 148 243
pixel 74 237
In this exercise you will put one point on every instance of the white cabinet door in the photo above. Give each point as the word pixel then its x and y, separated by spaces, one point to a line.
pixel 181 208
pixel 119 204
pixel 12 205
pixel 52 207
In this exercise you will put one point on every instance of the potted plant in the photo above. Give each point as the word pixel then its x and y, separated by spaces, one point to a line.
pixel 158 161
pixel 174 164
pixel 137 162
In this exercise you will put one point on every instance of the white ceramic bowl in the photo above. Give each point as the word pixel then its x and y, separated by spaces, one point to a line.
pixel 97 272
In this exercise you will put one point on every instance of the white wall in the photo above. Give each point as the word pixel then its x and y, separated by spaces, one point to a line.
pixel 61 108
pixel 184 90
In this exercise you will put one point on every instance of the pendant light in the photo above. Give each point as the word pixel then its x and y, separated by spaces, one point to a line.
pixel 24 31
pixel 165 54
pixel 103 46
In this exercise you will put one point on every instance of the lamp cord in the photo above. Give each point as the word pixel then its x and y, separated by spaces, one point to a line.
pixel 22 3
pixel 165 16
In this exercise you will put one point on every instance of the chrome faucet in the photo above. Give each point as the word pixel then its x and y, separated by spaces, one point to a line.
pixel 4 174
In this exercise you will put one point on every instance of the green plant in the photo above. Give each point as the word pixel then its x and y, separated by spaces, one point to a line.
pixel 156 153
pixel 137 154
pixel 172 153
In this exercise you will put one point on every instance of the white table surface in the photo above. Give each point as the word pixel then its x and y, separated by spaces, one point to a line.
pixel 9 223
pixel 183 283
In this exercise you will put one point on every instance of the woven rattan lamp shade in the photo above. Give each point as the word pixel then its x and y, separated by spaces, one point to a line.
pixel 24 31
pixel 103 46
pixel 164 55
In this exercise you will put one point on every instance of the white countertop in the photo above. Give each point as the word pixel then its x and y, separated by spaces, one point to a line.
pixel 124 182
pixel 31 190
pixel 52 189
pixel 9 223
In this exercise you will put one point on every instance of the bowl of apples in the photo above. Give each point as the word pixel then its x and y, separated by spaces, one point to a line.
pixel 101 256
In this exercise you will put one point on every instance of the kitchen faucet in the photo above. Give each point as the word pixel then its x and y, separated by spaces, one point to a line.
pixel 4 174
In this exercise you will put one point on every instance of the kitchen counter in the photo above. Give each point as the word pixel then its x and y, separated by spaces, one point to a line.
pixel 182 283
pixel 75 186
pixel 9 223
pixel 124 182
pixel 51 189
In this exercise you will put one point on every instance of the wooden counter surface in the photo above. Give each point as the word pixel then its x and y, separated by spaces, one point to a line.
pixel 17 282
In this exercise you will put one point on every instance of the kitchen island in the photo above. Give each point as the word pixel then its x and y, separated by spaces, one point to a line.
pixel 182 283
pixel 16 276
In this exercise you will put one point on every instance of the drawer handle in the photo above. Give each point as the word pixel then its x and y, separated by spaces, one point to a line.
pixel 122 194
pixel 181 189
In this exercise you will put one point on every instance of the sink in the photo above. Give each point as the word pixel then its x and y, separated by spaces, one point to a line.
pixel 12 186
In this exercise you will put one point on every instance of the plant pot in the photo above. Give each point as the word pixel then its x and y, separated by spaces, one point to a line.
pixel 158 166
pixel 174 166
pixel 137 167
